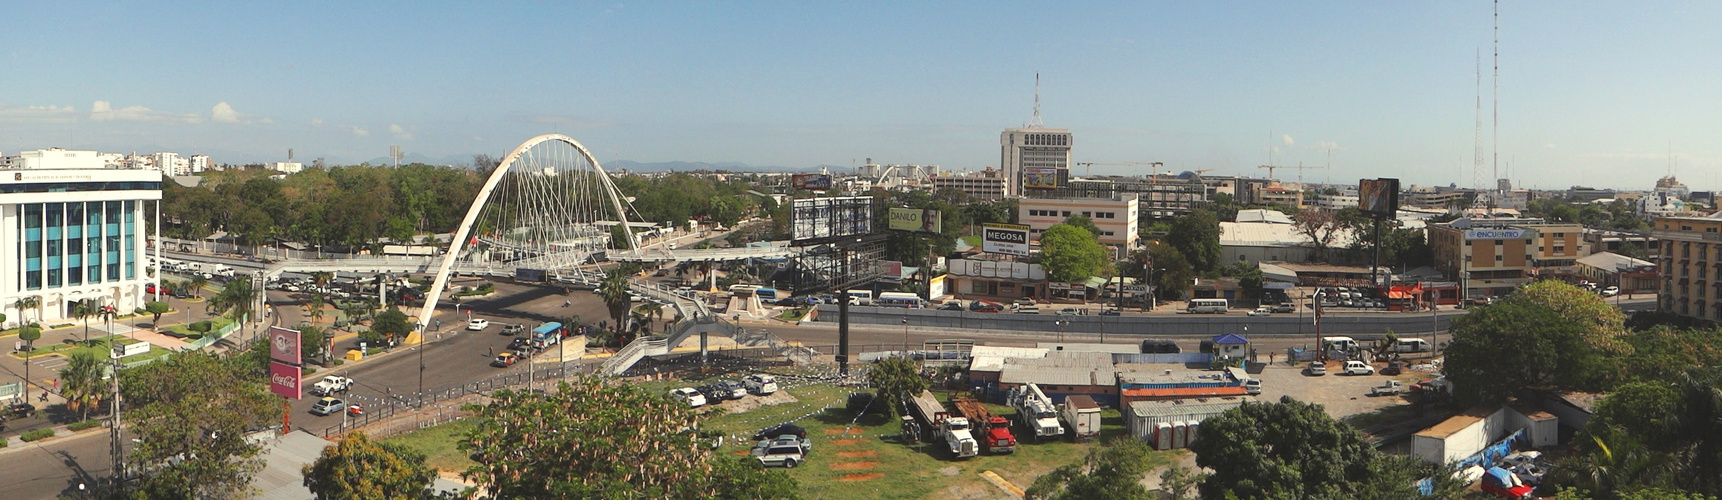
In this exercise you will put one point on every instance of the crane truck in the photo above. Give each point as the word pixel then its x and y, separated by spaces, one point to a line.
pixel 937 424
pixel 995 430
pixel 1036 411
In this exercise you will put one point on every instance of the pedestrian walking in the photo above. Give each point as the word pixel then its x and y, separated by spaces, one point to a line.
pixel 489 351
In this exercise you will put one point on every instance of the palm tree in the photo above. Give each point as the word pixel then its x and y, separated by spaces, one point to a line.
pixel 1696 424
pixel 83 309
pixel 652 310
pixel 236 296
pixel 614 290
pixel 197 284
pixel 24 303
pixel 316 308
pixel 81 382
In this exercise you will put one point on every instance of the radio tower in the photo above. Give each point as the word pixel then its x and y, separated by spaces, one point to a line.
pixel 1035 122
pixel 1495 101
pixel 1477 143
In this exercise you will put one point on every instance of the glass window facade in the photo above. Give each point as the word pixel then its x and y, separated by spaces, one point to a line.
pixel 78 243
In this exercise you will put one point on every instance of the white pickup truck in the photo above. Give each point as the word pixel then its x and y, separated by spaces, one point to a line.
pixel 331 384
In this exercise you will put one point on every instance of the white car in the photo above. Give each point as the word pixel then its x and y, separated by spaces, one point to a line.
pixel 760 384
pixel 1358 368
pixel 1317 368
pixel 690 396
pixel 478 324
pixel 1263 311
pixel 1611 291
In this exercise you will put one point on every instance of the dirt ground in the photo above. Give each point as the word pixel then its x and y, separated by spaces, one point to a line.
pixel 751 402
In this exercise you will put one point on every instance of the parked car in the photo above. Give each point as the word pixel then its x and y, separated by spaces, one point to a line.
pixel 1028 310
pixel 1316 368
pixel 1285 307
pixel 1252 386
pixel 690 396
pixel 1070 311
pixel 1262 311
pixel 514 329
pixel 732 389
pixel 1358 368
pixel 781 430
pixel 1388 388
pixel 328 406
pixel 1393 368
pixel 505 360
pixel 20 410
pixel 781 453
pixel 760 384
pixel 1611 291
pixel 984 307
pixel 951 306
pixel 713 393
pixel 1110 312
pixel 478 324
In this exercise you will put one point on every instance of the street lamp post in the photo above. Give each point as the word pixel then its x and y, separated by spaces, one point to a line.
pixel 1061 324
pixel 905 331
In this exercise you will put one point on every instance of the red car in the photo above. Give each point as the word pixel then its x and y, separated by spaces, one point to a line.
pixel 149 288
pixel 1502 483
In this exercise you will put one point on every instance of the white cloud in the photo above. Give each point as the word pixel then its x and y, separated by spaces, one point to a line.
pixel 1289 141
pixel 316 122
pixel 102 111
pixel 1549 146
pixel 225 114
pixel 38 114
pixel 1326 146
pixel 400 133
pixel 358 131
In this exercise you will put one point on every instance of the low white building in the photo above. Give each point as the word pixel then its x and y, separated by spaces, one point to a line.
pixel 55 158
pixel 287 167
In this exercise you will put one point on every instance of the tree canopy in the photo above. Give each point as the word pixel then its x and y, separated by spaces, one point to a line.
pixel 1197 237
pixel 189 413
pixel 359 468
pixel 896 380
pixel 1071 254
pixel 595 438
pixel 1292 449
pixel 1112 472
pixel 1548 335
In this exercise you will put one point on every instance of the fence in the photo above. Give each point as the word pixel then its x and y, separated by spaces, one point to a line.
pixel 1176 325
pixel 378 410
pixel 212 337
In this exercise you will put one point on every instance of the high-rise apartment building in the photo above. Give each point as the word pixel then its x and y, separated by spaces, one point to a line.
pixel 1691 266
pixel 1025 149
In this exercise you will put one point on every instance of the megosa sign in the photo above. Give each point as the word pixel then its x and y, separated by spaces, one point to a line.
pixel 1010 239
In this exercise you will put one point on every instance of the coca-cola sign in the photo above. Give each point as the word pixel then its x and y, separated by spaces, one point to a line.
pixel 284 380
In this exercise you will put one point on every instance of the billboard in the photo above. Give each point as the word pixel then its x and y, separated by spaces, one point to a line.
pixel 816 219
pixel 1041 178
pixel 810 182
pixel 284 380
pixel 284 345
pixel 1378 197
pixel 915 219
pixel 1010 239
pixel 891 268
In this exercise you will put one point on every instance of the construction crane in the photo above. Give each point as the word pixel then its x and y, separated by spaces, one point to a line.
pixel 1300 168
pixel 1154 166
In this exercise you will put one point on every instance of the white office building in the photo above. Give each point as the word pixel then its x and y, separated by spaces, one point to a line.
pixel 74 235
pixel 56 158
pixel 1032 148
pixel 199 164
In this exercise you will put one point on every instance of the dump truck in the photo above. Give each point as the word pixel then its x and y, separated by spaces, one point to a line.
pixel 934 423
pixel 1083 415
pixel 1036 411
pixel 994 429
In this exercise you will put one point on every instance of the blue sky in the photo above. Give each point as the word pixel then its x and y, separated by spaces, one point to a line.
pixel 1591 92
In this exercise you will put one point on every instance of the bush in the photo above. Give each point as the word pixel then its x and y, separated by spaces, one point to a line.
pixel 37 434
pixel 338 361
pixel 201 327
pixel 373 351
pixel 78 426
pixel 3 443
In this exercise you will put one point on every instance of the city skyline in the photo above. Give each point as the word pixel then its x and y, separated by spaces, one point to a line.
pixel 1595 95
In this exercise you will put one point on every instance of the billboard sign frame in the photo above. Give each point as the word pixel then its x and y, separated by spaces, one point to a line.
pixel 285 345
pixel 916 220
pixel 1043 178
pixel 1009 239
pixel 1378 197
pixel 810 182
pixel 817 220
pixel 284 380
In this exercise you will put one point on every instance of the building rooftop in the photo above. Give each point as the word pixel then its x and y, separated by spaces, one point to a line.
pixel 1269 234
pixel 1263 215
pixel 1457 423
pixel 1187 406
pixel 1609 261
pixel 1075 348
pixel 1025 374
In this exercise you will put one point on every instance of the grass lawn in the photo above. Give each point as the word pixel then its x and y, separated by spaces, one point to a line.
pixel 100 348
pixel 215 325
pixel 974 240
pixel 438 445
pixel 864 459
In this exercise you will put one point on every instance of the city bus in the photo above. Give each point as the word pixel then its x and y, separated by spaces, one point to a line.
pixel 1208 306
pixel 900 299
pixel 766 294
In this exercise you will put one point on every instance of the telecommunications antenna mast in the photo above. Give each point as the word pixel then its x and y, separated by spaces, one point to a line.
pixel 1035 122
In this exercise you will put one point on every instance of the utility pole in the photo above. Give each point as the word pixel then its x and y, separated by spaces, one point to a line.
pixel 115 443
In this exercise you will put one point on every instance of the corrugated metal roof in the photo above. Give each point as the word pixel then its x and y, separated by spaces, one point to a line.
pixel 986 363
pixel 1007 352
pixel 1020 374
pixel 1261 215
pixel 1266 234
pixel 1187 392
pixel 1074 348
pixel 1066 359
pixel 1610 261
pixel 1186 406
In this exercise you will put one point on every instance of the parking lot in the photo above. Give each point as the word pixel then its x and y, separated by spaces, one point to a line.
pixel 1342 395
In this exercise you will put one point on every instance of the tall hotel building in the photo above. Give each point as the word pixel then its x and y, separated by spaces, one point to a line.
pixel 1031 148
pixel 73 235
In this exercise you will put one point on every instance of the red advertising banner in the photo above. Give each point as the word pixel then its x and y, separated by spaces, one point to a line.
pixel 284 380
pixel 284 345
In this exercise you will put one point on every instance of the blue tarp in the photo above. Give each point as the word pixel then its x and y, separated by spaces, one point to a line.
pixel 1499 477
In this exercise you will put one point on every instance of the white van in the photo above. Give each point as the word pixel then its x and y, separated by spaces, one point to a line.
pixel 1412 345
pixel 1208 306
pixel 1341 343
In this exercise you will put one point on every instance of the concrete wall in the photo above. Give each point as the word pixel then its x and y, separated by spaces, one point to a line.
pixel 1180 325
pixel 1544 427
pixel 1464 442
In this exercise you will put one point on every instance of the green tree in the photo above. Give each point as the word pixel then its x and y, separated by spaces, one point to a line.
pixel 1071 254
pixel 1172 274
pixel 359 468
pixel 29 334
pixel 1291 449
pixel 596 438
pixel 198 281
pixel 392 324
pixel 156 309
pixel 81 383
pixel 614 290
pixel 1197 237
pixel 1504 349
pixel 314 338
pixel 189 414
pixel 237 297
pixel 896 380
pixel 81 310
pixel 1083 222
pixel 1112 472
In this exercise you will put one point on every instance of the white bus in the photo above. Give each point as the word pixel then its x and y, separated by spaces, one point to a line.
pixel 1208 306
pixel 766 293
pixel 861 297
pixel 900 299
